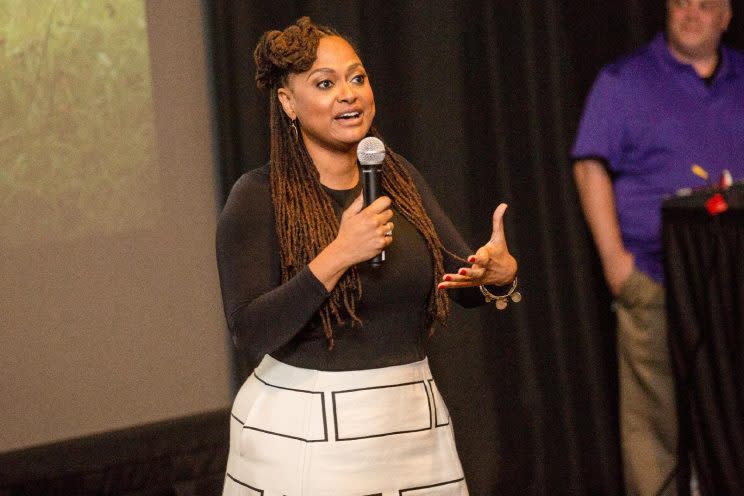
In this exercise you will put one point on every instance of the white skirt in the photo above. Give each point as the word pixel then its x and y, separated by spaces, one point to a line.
pixel 377 432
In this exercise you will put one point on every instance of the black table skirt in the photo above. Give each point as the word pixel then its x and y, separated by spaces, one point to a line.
pixel 179 457
pixel 704 267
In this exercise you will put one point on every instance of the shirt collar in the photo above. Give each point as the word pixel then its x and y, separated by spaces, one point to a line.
pixel 667 61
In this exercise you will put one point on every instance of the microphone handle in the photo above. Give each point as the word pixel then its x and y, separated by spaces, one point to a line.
pixel 371 178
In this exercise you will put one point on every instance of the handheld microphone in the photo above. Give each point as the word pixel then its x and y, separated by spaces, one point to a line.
pixel 371 153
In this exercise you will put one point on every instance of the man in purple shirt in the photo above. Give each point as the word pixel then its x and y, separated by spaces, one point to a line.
pixel 649 117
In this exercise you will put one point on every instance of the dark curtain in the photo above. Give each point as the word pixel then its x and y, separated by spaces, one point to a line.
pixel 484 98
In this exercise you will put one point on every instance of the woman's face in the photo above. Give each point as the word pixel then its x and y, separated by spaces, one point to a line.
pixel 332 100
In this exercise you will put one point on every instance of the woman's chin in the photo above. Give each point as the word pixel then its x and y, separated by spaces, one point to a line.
pixel 352 139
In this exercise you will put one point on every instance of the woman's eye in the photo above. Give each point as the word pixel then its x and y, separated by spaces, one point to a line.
pixel 359 79
pixel 325 84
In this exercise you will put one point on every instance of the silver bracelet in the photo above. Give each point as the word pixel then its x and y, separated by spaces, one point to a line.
pixel 502 301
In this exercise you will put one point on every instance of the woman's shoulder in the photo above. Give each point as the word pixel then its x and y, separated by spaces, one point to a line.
pixel 401 159
pixel 254 178
pixel 251 193
pixel 418 179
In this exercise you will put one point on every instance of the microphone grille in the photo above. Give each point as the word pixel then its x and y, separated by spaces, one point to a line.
pixel 371 151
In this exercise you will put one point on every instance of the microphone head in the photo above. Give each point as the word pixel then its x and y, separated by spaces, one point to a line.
pixel 371 151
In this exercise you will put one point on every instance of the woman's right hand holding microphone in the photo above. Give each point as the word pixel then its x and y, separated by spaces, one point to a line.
pixel 362 234
pixel 365 232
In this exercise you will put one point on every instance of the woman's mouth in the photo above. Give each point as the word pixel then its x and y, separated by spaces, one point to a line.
pixel 348 116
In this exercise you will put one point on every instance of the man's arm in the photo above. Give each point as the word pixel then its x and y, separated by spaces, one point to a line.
pixel 598 203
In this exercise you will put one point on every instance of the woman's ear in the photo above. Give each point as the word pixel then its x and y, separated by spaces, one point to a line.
pixel 285 98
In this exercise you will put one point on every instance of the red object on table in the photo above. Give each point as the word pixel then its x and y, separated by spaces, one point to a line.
pixel 716 204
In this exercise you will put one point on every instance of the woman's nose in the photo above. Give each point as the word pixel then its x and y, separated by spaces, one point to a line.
pixel 345 93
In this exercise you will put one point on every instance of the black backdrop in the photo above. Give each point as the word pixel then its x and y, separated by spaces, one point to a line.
pixel 484 97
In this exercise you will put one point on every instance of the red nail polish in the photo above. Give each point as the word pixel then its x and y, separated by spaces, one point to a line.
pixel 440 286
pixel 447 278
pixel 462 272
pixel 471 259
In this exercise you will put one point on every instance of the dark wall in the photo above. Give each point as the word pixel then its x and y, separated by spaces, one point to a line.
pixel 484 98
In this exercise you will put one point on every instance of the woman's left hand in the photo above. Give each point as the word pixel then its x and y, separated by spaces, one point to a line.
pixel 491 264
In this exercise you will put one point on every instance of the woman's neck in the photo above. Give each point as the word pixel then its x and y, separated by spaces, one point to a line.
pixel 338 170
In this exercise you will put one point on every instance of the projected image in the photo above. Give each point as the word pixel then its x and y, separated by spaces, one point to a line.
pixel 77 144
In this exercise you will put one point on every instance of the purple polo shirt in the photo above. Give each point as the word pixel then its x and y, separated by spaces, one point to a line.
pixel 650 117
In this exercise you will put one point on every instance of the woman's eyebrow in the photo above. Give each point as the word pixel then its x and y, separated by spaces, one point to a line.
pixel 320 69
pixel 352 67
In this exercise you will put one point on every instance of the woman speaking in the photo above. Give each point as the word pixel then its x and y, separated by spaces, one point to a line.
pixel 343 401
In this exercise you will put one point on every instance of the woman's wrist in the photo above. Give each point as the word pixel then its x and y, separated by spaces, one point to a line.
pixel 501 295
pixel 330 265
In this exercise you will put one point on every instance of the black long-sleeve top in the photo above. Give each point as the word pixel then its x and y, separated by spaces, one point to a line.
pixel 268 317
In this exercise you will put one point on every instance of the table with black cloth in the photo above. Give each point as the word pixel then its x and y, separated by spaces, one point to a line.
pixel 704 270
